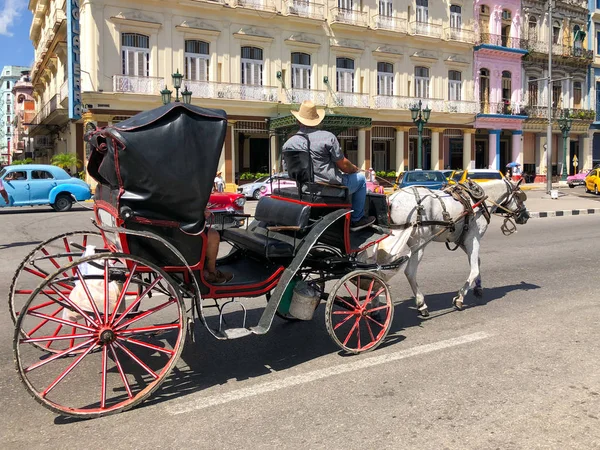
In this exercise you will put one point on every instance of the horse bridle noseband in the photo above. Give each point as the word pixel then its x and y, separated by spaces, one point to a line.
pixel 510 217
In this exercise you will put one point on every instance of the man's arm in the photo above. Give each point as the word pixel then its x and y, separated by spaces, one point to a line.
pixel 346 166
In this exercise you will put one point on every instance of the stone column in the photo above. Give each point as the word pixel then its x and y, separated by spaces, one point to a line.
pixel 230 153
pixel 585 151
pixel 494 149
pixel 517 147
pixel 362 137
pixel 435 148
pixel 274 153
pixel 467 150
pixel 400 150
pixel 561 160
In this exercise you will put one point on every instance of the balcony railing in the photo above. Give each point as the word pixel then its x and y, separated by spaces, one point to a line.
pixel 301 8
pixel 390 23
pixel 425 29
pixel 351 100
pixel 561 50
pixel 43 142
pixel 232 91
pixel 47 109
pixel 348 16
pixel 64 91
pixel 58 17
pixel 397 102
pixel 261 5
pixel 505 108
pixel 541 112
pixel 300 95
pixel 502 41
pixel 138 85
pixel 459 35
pixel 461 107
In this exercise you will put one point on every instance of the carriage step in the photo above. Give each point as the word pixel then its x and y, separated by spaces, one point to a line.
pixel 236 333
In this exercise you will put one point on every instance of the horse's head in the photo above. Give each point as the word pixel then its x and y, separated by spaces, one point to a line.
pixel 513 202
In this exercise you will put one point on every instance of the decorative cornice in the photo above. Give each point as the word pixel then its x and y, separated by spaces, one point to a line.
pixel 136 19
pixel 301 40
pixel 197 27
pixel 346 46
pixel 424 55
pixel 253 34
pixel 386 50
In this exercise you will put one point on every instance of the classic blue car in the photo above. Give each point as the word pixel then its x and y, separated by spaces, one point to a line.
pixel 432 179
pixel 41 184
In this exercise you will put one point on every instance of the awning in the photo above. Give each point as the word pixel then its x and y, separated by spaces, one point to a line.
pixel 335 123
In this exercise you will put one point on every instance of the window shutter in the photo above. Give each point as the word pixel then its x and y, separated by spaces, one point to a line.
pixel 130 63
pixel 202 69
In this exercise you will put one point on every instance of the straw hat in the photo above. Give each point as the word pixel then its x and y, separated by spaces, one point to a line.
pixel 308 114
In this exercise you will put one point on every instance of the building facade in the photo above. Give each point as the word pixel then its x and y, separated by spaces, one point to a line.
pixel 594 47
pixel 24 112
pixel 569 92
pixel 8 77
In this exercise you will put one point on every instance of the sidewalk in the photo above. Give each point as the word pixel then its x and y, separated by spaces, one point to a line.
pixel 571 202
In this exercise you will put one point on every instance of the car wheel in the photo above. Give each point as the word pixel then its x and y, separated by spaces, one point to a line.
pixel 596 189
pixel 256 194
pixel 587 191
pixel 571 185
pixel 62 203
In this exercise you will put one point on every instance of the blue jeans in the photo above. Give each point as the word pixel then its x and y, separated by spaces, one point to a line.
pixel 357 185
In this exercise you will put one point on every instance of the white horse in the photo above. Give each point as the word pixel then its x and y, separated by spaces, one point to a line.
pixel 503 196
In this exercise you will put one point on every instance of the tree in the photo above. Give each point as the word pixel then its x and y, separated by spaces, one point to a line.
pixel 18 162
pixel 66 160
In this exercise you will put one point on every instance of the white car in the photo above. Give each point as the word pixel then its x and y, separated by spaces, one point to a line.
pixel 252 190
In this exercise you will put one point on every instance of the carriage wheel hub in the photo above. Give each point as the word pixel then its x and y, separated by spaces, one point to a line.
pixel 107 336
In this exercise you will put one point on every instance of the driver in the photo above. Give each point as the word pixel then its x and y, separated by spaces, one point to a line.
pixel 329 164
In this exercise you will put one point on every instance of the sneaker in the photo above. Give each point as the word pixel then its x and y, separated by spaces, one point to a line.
pixel 362 223
pixel 218 277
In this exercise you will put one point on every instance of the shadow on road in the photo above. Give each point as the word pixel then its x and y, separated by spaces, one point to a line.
pixel 18 244
pixel 34 210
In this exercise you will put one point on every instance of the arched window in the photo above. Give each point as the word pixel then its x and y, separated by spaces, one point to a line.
pixel 344 75
pixel 301 70
pixel 484 89
pixel 422 11
pixel 197 58
pixel 135 53
pixel 532 92
pixel 506 87
pixel 556 32
pixel 385 79
pixel 252 66
pixel 532 29
pixel 421 82
pixel 454 85
pixel 577 94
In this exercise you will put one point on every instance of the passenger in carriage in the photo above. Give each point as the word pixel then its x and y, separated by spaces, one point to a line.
pixel 329 163
pixel 213 275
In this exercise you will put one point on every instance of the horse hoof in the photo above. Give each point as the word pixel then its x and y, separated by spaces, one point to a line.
pixel 424 312
pixel 458 304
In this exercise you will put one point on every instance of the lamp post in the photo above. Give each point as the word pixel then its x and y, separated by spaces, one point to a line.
pixel 186 95
pixel 420 117
pixel 565 126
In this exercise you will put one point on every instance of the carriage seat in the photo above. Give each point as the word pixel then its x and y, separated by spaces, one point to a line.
pixel 270 212
pixel 158 219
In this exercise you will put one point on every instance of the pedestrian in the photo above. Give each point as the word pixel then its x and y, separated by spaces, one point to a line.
pixel 219 183
pixel 3 193
pixel 372 176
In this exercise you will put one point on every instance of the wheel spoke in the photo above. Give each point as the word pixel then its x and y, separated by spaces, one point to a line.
pixel 136 301
pixel 343 322
pixel 379 308
pixel 352 330
pixel 367 298
pixel 89 295
pixel 63 321
pixel 58 328
pixel 145 314
pixel 62 337
pixel 106 291
pixel 72 304
pixel 120 369
pixel 373 320
pixel 370 330
pixel 336 313
pixel 149 329
pixel 352 295
pixel 352 307
pixel 123 293
pixel 103 387
pixel 67 371
pixel 60 355
pixel 45 321
pixel 147 345
pixel 137 360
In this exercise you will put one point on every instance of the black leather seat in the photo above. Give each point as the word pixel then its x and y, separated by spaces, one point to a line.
pixel 275 214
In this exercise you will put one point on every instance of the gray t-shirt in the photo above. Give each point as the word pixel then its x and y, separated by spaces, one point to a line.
pixel 325 151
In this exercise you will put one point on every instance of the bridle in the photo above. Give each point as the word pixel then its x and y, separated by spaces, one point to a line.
pixel 512 217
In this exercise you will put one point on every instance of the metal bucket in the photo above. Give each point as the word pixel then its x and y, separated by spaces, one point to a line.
pixel 304 301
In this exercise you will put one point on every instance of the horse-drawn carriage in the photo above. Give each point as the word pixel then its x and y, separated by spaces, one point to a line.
pixel 102 331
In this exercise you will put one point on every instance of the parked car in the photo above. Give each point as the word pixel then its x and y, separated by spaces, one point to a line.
pixel 252 190
pixel 274 182
pixel 576 180
pixel 42 184
pixel 448 174
pixel 432 179
pixel 374 186
pixel 477 175
pixel 592 181
pixel 225 207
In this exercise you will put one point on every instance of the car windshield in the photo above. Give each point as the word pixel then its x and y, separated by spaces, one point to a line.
pixel 457 176
pixel 485 175
pixel 2 172
pixel 424 177
pixel 262 180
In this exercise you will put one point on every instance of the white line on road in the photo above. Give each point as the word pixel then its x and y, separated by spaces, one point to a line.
pixel 270 386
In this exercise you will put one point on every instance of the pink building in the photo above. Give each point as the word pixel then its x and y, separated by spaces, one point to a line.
pixel 497 66
pixel 24 113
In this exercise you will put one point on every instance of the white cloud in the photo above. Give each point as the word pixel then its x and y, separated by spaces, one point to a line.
pixel 8 15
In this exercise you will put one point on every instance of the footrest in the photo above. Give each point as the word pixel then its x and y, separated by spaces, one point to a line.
pixel 236 333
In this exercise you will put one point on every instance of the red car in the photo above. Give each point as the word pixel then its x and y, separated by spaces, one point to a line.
pixel 225 207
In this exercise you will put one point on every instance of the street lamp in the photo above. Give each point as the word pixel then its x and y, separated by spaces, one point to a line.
pixel 186 95
pixel 420 117
pixel 565 126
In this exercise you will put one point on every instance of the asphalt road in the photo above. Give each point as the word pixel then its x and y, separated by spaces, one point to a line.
pixel 520 371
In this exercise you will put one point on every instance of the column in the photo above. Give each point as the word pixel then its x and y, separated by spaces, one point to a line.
pixel 517 146
pixel 229 153
pixel 585 151
pixel 435 148
pixel 467 139
pixel 400 150
pixel 274 153
pixel 494 149
pixel 368 149
pixel 563 150
pixel 362 137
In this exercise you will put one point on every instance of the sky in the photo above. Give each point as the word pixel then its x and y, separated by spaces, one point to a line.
pixel 15 47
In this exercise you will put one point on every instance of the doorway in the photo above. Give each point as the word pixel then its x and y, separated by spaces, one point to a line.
pixel 481 154
pixel 259 155
pixel 504 155
pixel 574 151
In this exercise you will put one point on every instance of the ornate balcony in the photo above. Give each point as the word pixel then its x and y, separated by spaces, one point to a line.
pixel 137 85
pixel 541 112
pixel 350 99
pixel 459 35
pixel 504 108
pixel 348 17
pixel 390 23
pixel 498 40
pixel 397 102
pixel 570 53
pixel 232 91
pixel 300 95
pixel 261 5
pixel 461 107
pixel 46 110
pixel 58 17
pixel 306 9
pixel 425 29
pixel 64 92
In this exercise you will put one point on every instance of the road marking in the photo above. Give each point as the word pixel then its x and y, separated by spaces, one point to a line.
pixel 270 386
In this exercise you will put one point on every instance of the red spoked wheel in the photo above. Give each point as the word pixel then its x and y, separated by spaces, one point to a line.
pixel 43 260
pixel 116 335
pixel 359 312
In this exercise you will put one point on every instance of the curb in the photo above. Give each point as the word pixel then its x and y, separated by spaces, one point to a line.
pixel 562 213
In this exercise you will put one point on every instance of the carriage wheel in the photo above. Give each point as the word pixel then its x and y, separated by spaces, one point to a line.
pixel 116 335
pixel 43 260
pixel 359 312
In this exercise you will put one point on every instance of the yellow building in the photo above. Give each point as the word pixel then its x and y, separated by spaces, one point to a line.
pixel 257 59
